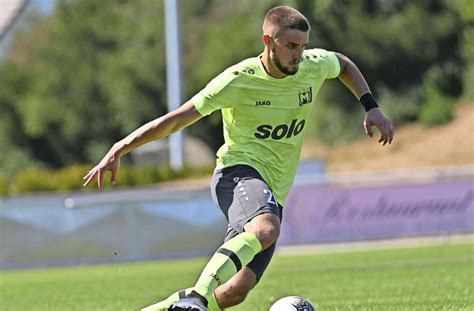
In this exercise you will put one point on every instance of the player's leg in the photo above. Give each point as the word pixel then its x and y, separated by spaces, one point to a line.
pixel 252 211
pixel 225 263
pixel 237 288
pixel 237 253
pixel 234 291
pixel 246 200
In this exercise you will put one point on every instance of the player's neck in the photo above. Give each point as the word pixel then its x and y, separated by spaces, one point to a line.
pixel 270 67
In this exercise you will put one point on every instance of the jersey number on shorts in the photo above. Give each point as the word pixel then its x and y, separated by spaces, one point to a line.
pixel 271 198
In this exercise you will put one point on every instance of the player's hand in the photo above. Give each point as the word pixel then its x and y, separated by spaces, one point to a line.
pixel 375 117
pixel 108 163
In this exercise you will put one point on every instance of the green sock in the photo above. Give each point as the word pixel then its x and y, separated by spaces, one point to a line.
pixel 226 262
pixel 212 304
pixel 165 304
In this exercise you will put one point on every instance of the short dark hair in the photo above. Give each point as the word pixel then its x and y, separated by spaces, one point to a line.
pixel 285 17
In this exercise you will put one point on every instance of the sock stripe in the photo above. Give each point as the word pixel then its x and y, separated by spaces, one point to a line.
pixel 182 294
pixel 235 259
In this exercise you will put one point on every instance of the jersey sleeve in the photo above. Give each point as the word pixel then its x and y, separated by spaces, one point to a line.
pixel 219 93
pixel 327 61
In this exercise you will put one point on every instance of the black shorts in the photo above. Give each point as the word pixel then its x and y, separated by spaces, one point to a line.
pixel 242 194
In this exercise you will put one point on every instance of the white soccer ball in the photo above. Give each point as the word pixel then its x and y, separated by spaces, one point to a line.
pixel 292 303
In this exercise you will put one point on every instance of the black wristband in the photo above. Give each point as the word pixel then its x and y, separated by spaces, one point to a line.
pixel 368 101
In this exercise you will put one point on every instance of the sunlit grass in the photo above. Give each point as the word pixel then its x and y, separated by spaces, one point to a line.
pixel 426 278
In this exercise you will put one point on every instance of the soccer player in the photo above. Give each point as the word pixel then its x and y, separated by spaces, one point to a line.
pixel 265 103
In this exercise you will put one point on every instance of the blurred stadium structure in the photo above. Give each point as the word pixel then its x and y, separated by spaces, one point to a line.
pixel 9 12
pixel 165 222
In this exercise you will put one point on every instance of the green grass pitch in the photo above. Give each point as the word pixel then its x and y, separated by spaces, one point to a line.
pixel 437 277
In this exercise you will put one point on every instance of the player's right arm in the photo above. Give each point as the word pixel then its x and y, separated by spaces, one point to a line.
pixel 153 130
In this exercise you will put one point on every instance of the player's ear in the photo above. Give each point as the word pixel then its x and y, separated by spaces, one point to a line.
pixel 266 40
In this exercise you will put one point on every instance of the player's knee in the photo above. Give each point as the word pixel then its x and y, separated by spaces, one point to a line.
pixel 268 235
pixel 266 228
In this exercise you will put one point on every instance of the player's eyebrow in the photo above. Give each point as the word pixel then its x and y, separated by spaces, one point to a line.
pixel 294 43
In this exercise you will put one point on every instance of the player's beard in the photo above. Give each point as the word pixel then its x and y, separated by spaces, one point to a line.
pixel 276 61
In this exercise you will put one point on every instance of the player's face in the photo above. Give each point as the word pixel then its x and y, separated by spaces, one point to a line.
pixel 287 50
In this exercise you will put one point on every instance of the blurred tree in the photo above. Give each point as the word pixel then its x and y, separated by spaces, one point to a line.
pixel 100 76
pixel 394 43
pixel 15 145
pixel 465 9
pixel 94 70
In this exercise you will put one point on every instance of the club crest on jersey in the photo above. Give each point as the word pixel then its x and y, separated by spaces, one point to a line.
pixel 305 97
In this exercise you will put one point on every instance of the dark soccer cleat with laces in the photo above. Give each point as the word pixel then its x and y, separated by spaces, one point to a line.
pixel 192 302
pixel 188 304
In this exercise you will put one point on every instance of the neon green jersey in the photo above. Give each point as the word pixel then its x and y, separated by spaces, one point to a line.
pixel 264 118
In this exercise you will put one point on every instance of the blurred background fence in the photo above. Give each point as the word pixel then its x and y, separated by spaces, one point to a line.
pixel 163 222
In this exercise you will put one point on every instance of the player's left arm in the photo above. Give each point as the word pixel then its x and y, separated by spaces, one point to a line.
pixel 355 82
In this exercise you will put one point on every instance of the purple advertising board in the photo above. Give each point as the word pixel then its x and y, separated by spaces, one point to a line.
pixel 331 213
